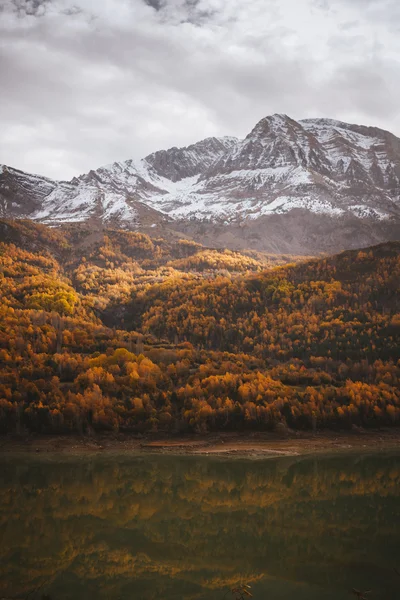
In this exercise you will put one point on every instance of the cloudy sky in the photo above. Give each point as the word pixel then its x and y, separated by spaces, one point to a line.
pixel 87 82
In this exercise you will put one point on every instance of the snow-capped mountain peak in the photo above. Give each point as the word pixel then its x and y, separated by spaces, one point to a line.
pixel 321 167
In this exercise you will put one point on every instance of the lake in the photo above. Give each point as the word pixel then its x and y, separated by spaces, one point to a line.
pixel 163 527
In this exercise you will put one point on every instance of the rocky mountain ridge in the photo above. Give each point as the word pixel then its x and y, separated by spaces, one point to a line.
pixel 299 186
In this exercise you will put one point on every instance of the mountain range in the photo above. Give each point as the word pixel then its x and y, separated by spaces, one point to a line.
pixel 309 186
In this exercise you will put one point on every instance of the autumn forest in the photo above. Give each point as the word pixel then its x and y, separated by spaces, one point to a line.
pixel 108 330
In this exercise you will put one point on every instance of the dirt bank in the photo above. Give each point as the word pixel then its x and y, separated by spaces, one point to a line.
pixel 225 444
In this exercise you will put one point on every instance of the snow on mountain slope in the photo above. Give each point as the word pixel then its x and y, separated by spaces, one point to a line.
pixel 318 165
pixel 352 149
pixel 112 192
pixel 321 167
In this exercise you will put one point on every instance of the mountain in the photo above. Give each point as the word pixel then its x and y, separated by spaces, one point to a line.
pixel 118 193
pixel 289 186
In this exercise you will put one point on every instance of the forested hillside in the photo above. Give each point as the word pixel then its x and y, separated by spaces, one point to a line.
pixel 114 330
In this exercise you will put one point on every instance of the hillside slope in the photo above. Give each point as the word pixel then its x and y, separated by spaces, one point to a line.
pixel 132 333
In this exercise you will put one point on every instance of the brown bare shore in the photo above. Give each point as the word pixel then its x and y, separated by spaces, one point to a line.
pixel 251 445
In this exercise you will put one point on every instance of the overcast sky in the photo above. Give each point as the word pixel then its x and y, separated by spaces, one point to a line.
pixel 88 82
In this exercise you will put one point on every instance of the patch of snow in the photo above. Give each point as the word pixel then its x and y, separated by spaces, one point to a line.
pixel 284 204
pixel 364 211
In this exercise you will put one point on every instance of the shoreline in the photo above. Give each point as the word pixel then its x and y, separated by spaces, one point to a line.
pixel 235 445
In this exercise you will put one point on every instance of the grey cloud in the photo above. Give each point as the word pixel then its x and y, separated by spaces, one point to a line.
pixel 30 7
pixel 72 10
pixel 353 87
pixel 156 4
pixel 195 12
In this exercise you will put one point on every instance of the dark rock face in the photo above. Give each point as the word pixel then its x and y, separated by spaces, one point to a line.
pixel 289 186
pixel 178 163
pixel 21 194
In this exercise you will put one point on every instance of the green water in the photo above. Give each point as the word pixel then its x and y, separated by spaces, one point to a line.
pixel 151 527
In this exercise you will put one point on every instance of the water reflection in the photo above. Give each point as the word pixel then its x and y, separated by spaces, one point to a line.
pixel 163 527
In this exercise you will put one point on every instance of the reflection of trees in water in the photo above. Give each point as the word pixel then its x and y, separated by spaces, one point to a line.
pixel 172 526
